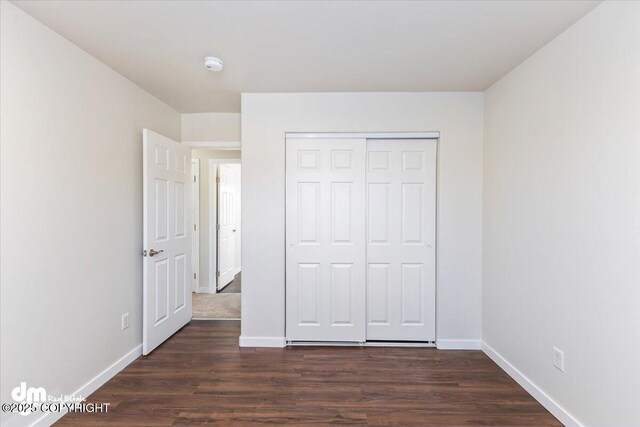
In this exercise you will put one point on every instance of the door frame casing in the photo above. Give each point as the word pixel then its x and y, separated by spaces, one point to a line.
pixel 432 135
pixel 212 285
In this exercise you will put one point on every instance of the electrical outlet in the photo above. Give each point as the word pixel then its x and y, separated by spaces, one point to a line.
pixel 558 359
pixel 125 321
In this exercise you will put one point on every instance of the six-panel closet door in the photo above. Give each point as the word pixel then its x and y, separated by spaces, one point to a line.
pixel 360 239
pixel 325 238
pixel 401 235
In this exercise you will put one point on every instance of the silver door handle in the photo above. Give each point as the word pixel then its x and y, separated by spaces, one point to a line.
pixel 153 252
pixel 234 230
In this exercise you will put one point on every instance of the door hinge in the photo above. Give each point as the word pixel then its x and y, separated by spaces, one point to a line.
pixel 217 226
pixel 194 178
pixel 217 274
pixel 194 227
pixel 194 275
pixel 217 179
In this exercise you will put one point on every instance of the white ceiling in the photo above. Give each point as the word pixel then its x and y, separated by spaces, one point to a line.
pixel 314 46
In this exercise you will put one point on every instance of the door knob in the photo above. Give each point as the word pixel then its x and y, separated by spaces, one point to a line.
pixel 153 252
pixel 234 230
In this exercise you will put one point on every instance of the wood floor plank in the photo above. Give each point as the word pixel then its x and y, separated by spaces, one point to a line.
pixel 201 376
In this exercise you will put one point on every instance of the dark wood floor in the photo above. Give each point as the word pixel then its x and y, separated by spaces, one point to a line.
pixel 234 286
pixel 201 376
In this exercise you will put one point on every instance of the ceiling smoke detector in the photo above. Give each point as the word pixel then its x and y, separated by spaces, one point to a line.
pixel 212 63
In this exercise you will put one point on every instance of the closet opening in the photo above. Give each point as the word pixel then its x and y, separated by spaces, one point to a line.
pixel 361 238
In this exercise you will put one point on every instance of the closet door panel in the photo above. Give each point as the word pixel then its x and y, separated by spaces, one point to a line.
pixel 325 238
pixel 401 195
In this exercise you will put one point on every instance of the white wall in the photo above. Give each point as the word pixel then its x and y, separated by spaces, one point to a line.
pixel 211 127
pixel 205 282
pixel 71 208
pixel 457 115
pixel 562 216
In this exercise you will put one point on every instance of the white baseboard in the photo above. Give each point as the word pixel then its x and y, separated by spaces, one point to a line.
pixel 262 341
pixel 458 344
pixel 93 384
pixel 536 392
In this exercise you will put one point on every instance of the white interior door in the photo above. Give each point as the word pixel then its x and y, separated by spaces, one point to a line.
pixel 195 228
pixel 237 167
pixel 401 237
pixel 226 225
pixel 325 237
pixel 166 239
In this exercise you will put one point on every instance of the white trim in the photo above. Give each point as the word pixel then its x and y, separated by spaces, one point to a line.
pixel 262 342
pixel 536 392
pixel 216 318
pixel 218 145
pixel 365 135
pixel 458 344
pixel 94 384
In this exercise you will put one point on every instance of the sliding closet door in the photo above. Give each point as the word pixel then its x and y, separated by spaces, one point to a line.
pixel 325 239
pixel 401 197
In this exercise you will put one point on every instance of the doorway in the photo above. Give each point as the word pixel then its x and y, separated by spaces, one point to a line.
pixel 217 232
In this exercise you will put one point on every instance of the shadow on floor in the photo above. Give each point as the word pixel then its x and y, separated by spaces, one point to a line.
pixel 234 286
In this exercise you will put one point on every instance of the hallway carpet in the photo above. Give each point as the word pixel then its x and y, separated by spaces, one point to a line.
pixel 216 306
